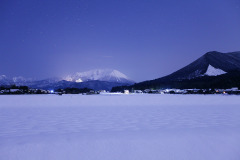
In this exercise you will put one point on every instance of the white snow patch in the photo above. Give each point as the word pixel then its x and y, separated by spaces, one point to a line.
pixel 79 80
pixel 68 78
pixel 211 71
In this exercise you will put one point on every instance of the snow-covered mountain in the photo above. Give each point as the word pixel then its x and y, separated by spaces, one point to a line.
pixel 2 77
pixel 210 64
pixel 108 75
pixel 4 80
pixel 94 79
pixel 212 70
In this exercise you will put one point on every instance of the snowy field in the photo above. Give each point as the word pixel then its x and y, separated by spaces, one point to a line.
pixel 120 127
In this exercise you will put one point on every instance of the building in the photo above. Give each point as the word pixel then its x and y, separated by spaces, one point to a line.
pixel 126 92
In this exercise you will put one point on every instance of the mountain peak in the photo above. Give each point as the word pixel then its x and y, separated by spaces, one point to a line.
pixel 212 52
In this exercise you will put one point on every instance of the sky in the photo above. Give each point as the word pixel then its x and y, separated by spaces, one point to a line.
pixel 144 39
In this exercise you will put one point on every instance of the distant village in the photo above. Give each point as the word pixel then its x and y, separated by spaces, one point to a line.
pixel 234 90
pixel 26 90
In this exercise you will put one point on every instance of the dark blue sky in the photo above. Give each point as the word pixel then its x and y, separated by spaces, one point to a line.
pixel 145 39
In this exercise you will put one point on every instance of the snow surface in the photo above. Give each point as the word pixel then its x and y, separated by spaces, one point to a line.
pixel 211 71
pixel 120 127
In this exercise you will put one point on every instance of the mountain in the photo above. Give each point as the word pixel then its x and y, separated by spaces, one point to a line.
pixel 210 64
pixel 4 80
pixel 212 70
pixel 107 75
pixel 95 79
pixel 20 81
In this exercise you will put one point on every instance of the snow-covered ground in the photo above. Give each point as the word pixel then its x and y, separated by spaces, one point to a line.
pixel 120 127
